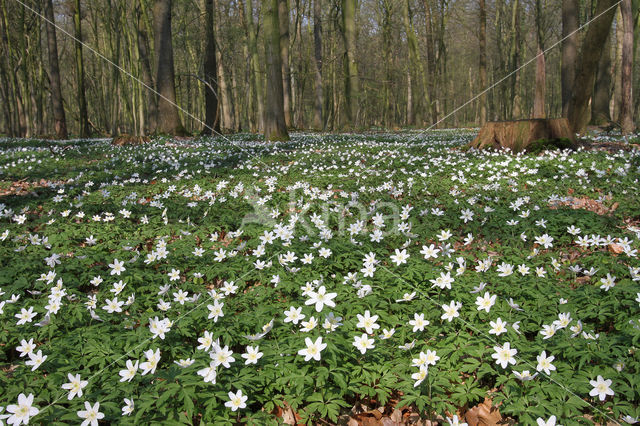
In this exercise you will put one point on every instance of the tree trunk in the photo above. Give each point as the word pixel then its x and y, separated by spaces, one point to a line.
pixel 514 60
pixel 85 131
pixel 256 78
pixel 352 82
pixel 318 122
pixel 570 24
pixel 521 135
pixel 275 128
pixel 225 103
pixel 626 103
pixel 283 16
pixel 431 64
pixel 541 77
pixel 415 67
pixel 594 42
pixel 602 89
pixel 387 104
pixel 614 101
pixel 482 71
pixel 212 119
pixel 60 122
pixel 168 118
pixel 147 75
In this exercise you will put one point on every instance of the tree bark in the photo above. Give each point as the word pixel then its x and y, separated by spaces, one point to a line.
pixel 415 67
pixel 602 88
pixel 352 82
pixel 594 42
pixel 541 77
pixel 85 130
pixel 521 134
pixel 60 122
pixel 431 64
pixel 514 60
pixel 482 68
pixel 256 78
pixel 168 118
pixel 626 103
pixel 283 16
pixel 570 24
pixel 318 122
pixel 147 75
pixel 225 103
pixel 275 128
pixel 212 119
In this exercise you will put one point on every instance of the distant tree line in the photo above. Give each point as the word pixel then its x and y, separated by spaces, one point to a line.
pixel 274 65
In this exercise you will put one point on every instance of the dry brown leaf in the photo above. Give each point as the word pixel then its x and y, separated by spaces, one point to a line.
pixel 396 416
pixel 483 414
pixel 616 248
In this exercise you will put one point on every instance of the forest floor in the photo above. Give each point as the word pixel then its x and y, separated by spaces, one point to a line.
pixel 357 279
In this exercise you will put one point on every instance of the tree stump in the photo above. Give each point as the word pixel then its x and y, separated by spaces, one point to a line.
pixel 523 135
pixel 122 140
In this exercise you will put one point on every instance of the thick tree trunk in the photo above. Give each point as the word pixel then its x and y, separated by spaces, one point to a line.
pixel 352 81
pixel 168 118
pixel 570 24
pixel 275 128
pixel 60 122
pixel 482 68
pixel 318 118
pixel 626 103
pixel 283 16
pixel 521 134
pixel 85 131
pixel 594 42
pixel 212 119
pixel 541 76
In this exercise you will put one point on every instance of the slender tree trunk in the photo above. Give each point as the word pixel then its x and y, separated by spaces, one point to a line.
pixel 255 65
pixel 168 117
pixel 85 131
pixel 318 123
pixel 514 60
pixel 212 119
pixel 275 128
pixel 602 89
pixel 224 91
pixel 22 78
pixel 570 24
pixel 626 103
pixel 298 82
pixel 145 65
pixel 482 37
pixel 414 65
pixel 283 16
pixel 60 122
pixel 352 81
pixel 614 101
pixel 387 105
pixel 541 76
pixel 431 64
pixel 594 42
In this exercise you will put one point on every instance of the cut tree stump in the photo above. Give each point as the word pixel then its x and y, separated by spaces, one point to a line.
pixel 520 135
